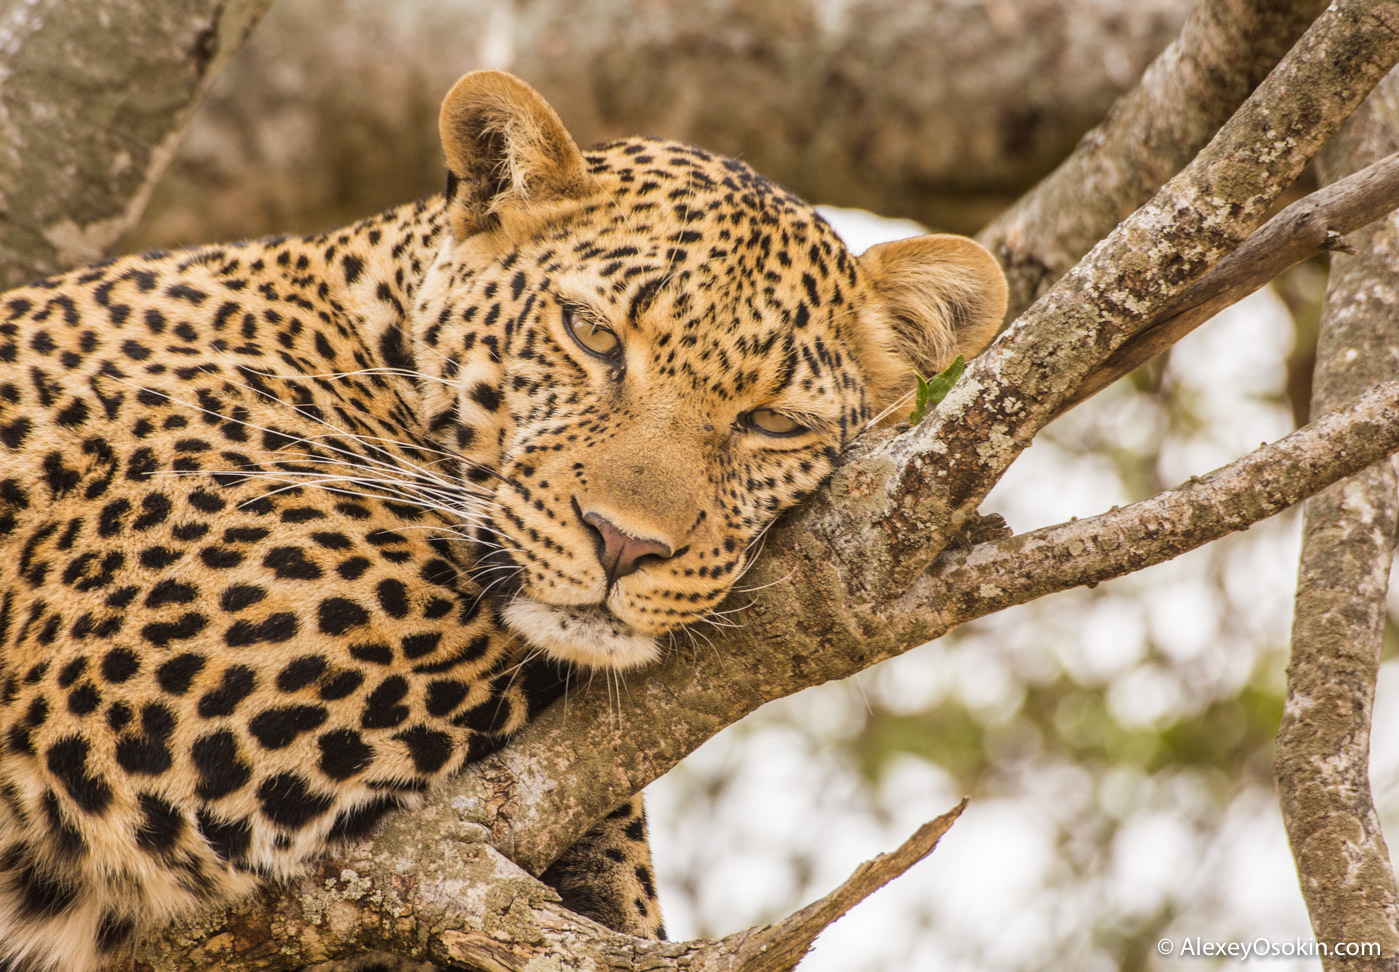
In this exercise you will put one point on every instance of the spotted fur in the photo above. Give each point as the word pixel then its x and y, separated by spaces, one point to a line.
pixel 294 529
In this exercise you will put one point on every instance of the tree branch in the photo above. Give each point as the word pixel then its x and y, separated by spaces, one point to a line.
pixel 84 145
pixel 1226 48
pixel 1310 226
pixel 968 584
pixel 1322 760
pixel 465 904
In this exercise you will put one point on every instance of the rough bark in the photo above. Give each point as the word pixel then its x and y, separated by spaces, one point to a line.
pixel 94 96
pixel 1225 50
pixel 943 110
pixel 1313 225
pixel 467 905
pixel 1322 760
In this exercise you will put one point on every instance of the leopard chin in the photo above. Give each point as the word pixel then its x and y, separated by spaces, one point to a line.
pixel 587 636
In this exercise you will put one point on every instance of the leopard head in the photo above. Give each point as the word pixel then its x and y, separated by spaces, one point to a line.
pixel 643 353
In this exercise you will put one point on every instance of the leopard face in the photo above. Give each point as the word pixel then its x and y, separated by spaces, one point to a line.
pixel 643 354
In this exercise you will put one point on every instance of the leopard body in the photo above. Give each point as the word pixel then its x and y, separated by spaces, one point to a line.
pixel 294 529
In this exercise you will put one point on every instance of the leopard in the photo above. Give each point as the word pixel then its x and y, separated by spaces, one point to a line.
pixel 294 529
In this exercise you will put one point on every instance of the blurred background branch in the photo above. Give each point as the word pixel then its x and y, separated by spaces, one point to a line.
pixel 94 97
pixel 944 111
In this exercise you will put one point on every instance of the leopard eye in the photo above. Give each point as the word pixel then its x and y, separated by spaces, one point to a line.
pixel 768 422
pixel 597 339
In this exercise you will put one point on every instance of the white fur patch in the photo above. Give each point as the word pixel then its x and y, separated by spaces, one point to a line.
pixel 586 636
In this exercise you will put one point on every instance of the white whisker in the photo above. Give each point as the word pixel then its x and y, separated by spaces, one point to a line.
pixel 401 372
pixel 900 402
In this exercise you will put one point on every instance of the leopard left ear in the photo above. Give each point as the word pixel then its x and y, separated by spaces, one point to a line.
pixel 942 296
pixel 506 150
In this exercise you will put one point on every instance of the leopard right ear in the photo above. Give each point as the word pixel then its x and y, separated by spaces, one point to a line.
pixel 506 150
pixel 941 296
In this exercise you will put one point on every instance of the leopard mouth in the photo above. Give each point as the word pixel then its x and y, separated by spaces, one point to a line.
pixel 589 636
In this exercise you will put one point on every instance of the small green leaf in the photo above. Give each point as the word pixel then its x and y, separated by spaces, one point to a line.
pixel 942 384
pixel 933 390
pixel 920 400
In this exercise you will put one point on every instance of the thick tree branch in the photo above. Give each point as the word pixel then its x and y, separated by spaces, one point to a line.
pixel 1313 225
pixel 463 903
pixel 1322 760
pixel 1225 50
pixel 94 96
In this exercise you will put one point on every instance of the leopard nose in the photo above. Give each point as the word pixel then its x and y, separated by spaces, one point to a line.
pixel 620 553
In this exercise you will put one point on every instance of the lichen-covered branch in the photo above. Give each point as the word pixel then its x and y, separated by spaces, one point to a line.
pixel 1322 760
pixel 462 903
pixel 1225 50
pixel 94 96
pixel 1312 225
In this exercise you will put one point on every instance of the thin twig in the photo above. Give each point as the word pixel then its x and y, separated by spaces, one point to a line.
pixel 967 584
pixel 778 947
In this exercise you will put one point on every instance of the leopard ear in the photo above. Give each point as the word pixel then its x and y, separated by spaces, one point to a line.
pixel 942 296
pixel 506 150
